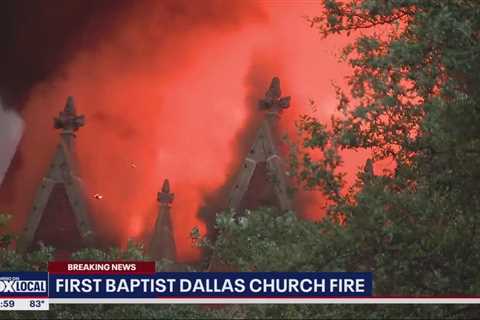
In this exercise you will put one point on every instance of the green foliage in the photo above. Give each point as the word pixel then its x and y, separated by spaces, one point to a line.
pixel 5 238
pixel 125 311
pixel 413 98
pixel 265 241
pixel 262 240
pixel 134 251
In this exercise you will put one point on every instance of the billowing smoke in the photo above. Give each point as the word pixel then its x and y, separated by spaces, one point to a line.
pixel 11 129
pixel 169 90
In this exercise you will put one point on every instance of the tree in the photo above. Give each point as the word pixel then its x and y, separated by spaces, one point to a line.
pixel 413 99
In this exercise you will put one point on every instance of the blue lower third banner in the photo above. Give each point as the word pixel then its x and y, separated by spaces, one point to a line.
pixel 212 285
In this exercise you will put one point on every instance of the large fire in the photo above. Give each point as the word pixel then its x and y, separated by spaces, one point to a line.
pixel 171 94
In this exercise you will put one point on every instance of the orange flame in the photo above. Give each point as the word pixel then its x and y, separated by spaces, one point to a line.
pixel 168 90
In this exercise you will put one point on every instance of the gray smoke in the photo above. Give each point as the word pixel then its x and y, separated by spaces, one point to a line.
pixel 11 129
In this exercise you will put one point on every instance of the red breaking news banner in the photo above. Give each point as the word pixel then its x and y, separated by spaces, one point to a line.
pixel 96 267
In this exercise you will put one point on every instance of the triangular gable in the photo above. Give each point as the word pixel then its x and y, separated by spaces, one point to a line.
pixel 61 171
pixel 264 150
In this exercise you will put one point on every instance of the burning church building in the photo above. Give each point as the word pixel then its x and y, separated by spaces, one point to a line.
pixel 60 214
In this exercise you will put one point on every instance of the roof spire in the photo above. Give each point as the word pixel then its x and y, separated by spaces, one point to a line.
pixel 273 100
pixel 165 197
pixel 68 120
pixel 162 244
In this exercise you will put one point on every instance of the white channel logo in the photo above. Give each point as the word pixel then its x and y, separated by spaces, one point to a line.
pixel 23 286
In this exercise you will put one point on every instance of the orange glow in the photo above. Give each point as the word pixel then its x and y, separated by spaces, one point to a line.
pixel 166 95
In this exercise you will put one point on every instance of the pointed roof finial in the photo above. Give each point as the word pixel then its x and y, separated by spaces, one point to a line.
pixel 166 186
pixel 165 197
pixel 273 100
pixel 70 106
pixel 68 120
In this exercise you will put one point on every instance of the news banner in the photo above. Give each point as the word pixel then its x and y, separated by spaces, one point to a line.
pixel 83 282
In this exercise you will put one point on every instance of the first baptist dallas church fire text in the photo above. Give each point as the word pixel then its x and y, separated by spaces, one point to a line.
pixel 167 285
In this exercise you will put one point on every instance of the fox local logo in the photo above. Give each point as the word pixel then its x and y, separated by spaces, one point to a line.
pixel 15 285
